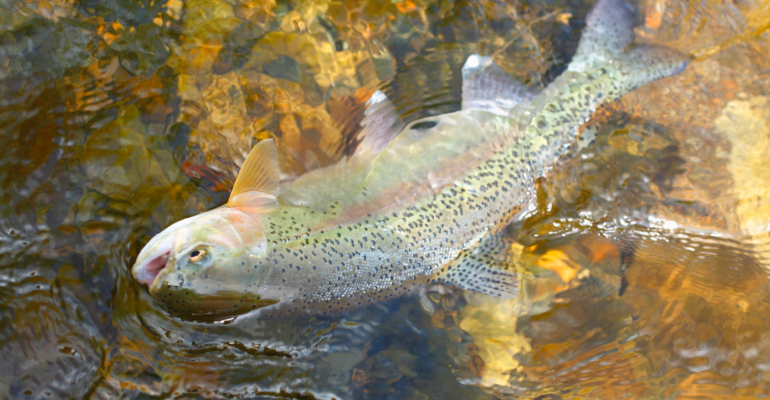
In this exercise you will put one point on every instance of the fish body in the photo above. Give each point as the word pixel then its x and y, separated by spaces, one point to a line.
pixel 424 205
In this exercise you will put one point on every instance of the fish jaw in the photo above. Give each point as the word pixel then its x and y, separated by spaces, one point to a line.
pixel 157 253
pixel 153 259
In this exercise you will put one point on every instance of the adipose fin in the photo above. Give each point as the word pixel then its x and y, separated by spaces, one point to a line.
pixel 487 87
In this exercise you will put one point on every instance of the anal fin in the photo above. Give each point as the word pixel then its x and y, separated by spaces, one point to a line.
pixel 487 268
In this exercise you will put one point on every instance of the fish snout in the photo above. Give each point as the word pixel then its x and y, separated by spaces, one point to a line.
pixel 151 262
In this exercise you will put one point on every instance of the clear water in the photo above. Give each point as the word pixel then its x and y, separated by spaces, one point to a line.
pixel 644 269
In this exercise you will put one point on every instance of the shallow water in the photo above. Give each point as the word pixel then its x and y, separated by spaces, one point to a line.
pixel 643 269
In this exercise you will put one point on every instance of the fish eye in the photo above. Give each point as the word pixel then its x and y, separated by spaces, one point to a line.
pixel 197 254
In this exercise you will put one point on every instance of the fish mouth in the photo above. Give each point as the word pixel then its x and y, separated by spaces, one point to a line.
pixel 149 266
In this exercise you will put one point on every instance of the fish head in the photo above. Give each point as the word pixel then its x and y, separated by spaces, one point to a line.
pixel 206 267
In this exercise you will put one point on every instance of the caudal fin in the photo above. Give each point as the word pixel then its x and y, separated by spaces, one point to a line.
pixel 607 43
pixel 609 30
pixel 607 65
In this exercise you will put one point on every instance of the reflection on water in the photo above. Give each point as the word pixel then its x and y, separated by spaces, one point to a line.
pixel 644 268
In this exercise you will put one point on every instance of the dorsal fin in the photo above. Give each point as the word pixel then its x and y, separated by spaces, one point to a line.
pixel 317 189
pixel 487 87
pixel 381 123
pixel 257 182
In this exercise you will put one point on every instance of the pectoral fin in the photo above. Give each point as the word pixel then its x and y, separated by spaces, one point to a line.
pixel 486 268
pixel 257 182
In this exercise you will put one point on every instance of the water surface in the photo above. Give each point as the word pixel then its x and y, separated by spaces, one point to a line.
pixel 643 269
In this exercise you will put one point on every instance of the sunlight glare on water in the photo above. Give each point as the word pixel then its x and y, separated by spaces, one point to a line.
pixel 643 269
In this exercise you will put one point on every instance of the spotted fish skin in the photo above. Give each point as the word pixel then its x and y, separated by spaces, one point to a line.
pixel 388 255
pixel 338 257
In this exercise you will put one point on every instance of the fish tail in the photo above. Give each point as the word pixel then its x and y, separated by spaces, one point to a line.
pixel 606 66
pixel 609 30
pixel 607 43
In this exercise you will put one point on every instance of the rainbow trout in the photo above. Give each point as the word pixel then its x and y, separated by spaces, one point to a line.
pixel 414 204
